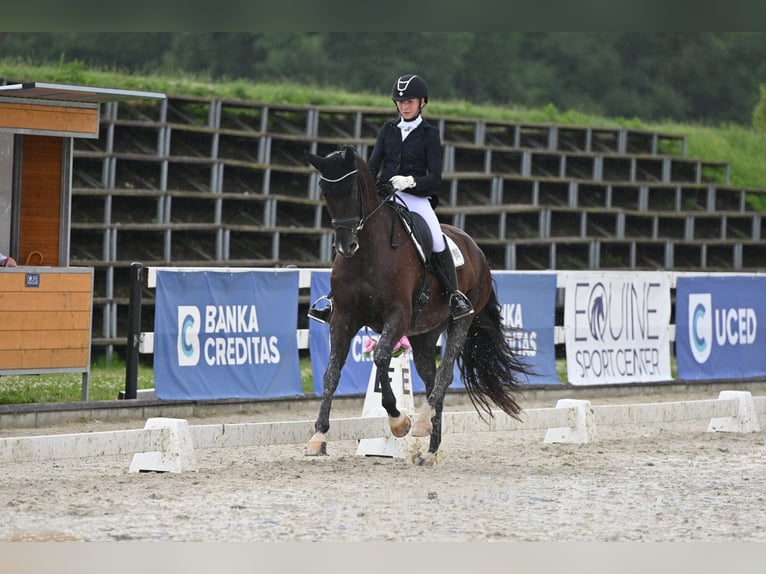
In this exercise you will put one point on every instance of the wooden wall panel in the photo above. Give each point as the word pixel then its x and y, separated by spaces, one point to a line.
pixel 44 359
pixel 76 121
pixel 41 169
pixel 48 325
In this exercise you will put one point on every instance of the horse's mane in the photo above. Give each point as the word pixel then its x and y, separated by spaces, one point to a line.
pixel 358 160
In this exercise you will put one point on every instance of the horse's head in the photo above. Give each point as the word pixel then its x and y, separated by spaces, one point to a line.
pixel 343 189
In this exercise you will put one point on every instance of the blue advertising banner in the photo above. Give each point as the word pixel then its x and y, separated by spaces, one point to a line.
pixel 221 334
pixel 717 335
pixel 528 304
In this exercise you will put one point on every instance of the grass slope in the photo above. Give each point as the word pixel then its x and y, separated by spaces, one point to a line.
pixel 742 147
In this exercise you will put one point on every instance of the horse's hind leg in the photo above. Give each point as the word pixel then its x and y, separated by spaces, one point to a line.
pixel 424 354
pixel 428 458
pixel 429 419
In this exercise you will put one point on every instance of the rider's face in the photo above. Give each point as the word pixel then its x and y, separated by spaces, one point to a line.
pixel 409 109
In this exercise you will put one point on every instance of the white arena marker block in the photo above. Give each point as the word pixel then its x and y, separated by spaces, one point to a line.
pixel 582 427
pixel 746 419
pixel 401 383
pixel 177 454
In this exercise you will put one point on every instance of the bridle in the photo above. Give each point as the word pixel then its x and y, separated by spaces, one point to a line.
pixel 355 223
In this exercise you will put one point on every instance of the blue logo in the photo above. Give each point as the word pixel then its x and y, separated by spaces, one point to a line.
pixel 700 326
pixel 189 323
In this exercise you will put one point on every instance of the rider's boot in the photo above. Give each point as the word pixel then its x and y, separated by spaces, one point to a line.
pixel 322 315
pixel 459 304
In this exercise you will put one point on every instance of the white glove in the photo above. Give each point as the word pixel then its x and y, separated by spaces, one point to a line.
pixel 400 182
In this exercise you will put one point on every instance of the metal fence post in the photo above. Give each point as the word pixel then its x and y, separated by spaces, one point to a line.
pixel 134 330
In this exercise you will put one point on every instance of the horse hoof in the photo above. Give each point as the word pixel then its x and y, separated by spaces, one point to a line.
pixel 420 429
pixel 317 446
pixel 316 449
pixel 427 459
pixel 400 426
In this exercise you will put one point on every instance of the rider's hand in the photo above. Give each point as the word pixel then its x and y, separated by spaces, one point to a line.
pixel 401 182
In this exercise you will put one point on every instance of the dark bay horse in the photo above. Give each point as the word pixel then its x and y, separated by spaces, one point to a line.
pixel 377 280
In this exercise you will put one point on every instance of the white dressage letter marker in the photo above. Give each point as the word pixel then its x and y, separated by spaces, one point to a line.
pixel 581 429
pixel 177 454
pixel 746 419
pixel 401 384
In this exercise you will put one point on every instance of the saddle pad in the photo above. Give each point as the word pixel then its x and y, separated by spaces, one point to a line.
pixel 457 255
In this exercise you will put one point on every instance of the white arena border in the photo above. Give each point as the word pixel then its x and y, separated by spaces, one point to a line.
pixel 168 445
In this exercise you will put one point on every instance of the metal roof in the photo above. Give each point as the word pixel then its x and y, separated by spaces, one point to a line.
pixel 63 92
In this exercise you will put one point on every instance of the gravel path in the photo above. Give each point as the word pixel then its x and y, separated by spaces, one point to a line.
pixel 669 482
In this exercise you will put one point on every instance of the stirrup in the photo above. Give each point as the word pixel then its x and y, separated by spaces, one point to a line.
pixel 321 315
pixel 459 305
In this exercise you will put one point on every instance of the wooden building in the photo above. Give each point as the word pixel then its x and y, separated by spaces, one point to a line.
pixel 45 305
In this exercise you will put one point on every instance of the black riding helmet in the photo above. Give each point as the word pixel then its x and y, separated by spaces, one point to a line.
pixel 409 86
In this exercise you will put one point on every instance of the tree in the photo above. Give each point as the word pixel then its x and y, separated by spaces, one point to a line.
pixel 759 113
pixel 693 76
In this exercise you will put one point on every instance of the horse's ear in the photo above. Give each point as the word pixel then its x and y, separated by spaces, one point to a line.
pixel 311 158
pixel 349 154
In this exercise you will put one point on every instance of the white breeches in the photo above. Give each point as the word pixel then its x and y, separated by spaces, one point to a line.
pixel 422 207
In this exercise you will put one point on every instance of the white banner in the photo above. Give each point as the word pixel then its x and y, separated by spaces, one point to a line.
pixel 617 327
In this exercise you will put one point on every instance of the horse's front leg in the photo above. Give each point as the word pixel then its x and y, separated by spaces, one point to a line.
pixel 339 346
pixel 398 421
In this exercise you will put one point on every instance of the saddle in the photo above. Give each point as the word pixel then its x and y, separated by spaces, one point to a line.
pixel 420 235
pixel 418 230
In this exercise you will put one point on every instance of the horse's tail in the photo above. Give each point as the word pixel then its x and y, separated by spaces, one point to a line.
pixel 492 371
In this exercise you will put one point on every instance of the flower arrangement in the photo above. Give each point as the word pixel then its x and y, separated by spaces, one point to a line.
pixel 401 348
